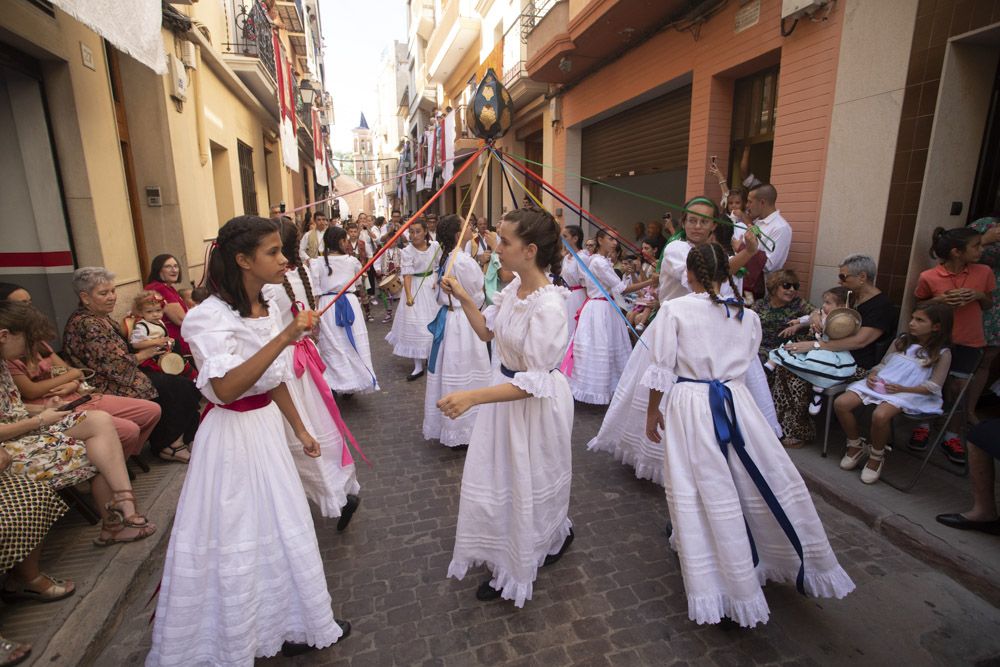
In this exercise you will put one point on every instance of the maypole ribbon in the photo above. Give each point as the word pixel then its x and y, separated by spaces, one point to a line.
pixel 465 223
pixel 405 226
pixel 583 266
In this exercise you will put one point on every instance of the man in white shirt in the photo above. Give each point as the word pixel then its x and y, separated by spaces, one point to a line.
pixel 311 245
pixel 432 225
pixel 760 206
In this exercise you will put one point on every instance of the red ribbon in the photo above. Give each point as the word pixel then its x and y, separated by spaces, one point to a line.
pixel 566 367
pixel 306 357
pixel 245 404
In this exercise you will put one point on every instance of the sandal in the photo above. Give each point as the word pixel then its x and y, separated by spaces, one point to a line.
pixel 871 475
pixel 171 453
pixel 12 653
pixel 56 590
pixel 116 521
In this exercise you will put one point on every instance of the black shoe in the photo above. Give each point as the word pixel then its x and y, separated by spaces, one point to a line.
pixel 345 626
pixel 347 512
pixel 669 530
pixel 485 592
pixel 960 522
pixel 552 558
pixel 460 448
pixel 414 376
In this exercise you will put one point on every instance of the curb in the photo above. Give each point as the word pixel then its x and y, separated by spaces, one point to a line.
pixel 81 637
pixel 911 538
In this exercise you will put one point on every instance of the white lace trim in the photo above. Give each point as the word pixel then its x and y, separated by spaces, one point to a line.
pixel 658 378
pixel 643 468
pixel 712 608
pixel 539 384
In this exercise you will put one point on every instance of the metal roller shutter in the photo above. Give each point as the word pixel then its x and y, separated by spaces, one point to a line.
pixel 647 139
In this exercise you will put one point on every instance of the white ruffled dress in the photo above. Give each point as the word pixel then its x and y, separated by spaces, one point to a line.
pixel 601 345
pixel 710 495
pixel 409 336
pixel 514 507
pixel 326 481
pixel 348 370
pixel 574 278
pixel 243 572
pixel 463 360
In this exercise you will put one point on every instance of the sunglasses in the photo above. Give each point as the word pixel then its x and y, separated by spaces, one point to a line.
pixel 844 276
pixel 794 286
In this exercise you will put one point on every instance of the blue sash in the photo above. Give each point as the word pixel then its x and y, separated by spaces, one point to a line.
pixel 436 327
pixel 727 432
pixel 344 317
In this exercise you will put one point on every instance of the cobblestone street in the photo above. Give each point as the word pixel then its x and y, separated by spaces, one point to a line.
pixel 616 598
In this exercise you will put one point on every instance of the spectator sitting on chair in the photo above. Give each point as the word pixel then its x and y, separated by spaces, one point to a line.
pixel 984 449
pixel 782 305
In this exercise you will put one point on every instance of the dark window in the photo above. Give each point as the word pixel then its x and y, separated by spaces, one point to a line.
pixel 245 154
pixel 986 190
pixel 755 99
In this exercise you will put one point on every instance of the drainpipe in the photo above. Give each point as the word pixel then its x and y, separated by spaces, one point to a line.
pixel 199 110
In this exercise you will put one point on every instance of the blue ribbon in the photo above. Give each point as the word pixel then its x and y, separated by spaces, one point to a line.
pixel 727 432
pixel 343 314
pixel 736 303
pixel 436 327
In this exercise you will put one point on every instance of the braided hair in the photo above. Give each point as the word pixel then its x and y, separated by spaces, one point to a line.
pixel 290 249
pixel 240 236
pixel 447 235
pixel 710 264
pixel 331 243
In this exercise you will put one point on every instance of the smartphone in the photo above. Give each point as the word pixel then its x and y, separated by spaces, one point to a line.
pixel 715 161
pixel 281 207
pixel 72 405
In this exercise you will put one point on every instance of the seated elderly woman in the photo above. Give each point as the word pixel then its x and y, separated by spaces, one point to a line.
pixel 93 340
pixel 42 374
pixel 792 394
pixel 63 448
pixel 782 305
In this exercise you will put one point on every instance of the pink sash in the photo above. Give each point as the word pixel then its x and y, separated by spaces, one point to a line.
pixel 566 367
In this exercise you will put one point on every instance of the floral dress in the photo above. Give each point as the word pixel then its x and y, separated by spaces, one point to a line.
pixel 991 258
pixel 775 320
pixel 46 454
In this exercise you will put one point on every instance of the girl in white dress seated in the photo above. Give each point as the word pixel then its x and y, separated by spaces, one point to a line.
pixel 409 336
pixel 909 380
pixel 243 576
pixel 601 346
pixel 740 511
pixel 343 334
pixel 458 360
pixel 330 481
pixel 514 507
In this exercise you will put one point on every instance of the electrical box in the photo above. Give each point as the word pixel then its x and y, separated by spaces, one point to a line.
pixel 178 78
pixel 796 9
pixel 189 55
pixel 153 197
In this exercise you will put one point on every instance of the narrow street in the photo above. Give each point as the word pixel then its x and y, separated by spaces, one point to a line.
pixel 616 598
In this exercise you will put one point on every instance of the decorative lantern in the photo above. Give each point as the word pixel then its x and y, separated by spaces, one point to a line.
pixel 490 112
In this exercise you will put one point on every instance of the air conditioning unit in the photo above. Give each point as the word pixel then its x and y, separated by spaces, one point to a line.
pixel 796 9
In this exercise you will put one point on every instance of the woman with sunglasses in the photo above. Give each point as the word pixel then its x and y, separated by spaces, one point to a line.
pixel 782 305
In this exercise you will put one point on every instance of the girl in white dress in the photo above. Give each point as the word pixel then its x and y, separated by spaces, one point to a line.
pixel 243 576
pixel 572 275
pixel 740 511
pixel 330 481
pixel 600 346
pixel 623 431
pixel 409 336
pixel 459 360
pixel 909 380
pixel 513 512
pixel 343 334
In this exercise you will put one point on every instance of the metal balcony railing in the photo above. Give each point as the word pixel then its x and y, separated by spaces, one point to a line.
pixel 534 12
pixel 253 35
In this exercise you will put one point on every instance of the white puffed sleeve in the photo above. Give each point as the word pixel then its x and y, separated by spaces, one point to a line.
pixel 675 262
pixel 471 277
pixel 604 272
pixel 406 263
pixel 663 352
pixel 544 344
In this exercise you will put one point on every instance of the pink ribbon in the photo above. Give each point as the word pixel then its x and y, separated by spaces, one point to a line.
pixel 306 357
pixel 566 367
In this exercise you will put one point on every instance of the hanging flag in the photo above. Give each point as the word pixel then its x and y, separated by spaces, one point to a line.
pixel 286 108
pixel 429 165
pixel 319 152
pixel 448 141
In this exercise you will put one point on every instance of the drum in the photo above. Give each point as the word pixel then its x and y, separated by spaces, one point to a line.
pixel 392 283
pixel 172 363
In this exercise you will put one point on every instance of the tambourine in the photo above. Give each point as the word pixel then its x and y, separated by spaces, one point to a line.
pixel 171 363
pixel 391 283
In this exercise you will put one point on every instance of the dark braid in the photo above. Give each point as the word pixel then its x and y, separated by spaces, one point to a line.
pixel 710 265
pixel 331 243
pixel 307 286
pixel 288 290
pixel 447 232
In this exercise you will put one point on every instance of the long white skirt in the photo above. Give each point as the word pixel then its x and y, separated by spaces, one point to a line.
pixel 574 302
pixel 514 507
pixel 409 336
pixel 325 481
pixel 243 572
pixel 709 496
pixel 623 431
pixel 601 348
pixel 347 370
pixel 463 362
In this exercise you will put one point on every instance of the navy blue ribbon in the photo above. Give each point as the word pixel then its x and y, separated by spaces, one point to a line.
pixel 343 314
pixel 436 327
pixel 736 303
pixel 727 432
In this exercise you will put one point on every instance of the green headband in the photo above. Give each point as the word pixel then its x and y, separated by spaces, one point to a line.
pixel 700 200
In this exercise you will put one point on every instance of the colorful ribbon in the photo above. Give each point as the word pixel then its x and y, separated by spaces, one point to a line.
pixel 436 327
pixel 343 313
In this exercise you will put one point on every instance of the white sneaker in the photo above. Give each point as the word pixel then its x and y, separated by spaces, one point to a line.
pixel 816 405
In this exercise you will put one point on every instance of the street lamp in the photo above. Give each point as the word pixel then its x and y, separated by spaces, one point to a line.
pixel 306 92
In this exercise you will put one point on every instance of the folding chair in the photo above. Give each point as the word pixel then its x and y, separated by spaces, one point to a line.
pixel 81 504
pixel 944 419
pixel 829 394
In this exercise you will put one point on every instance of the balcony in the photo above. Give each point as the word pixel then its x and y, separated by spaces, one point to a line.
pixel 456 31
pixel 422 17
pixel 425 96
pixel 251 54
pixel 465 140
pixel 292 15
pixel 515 72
